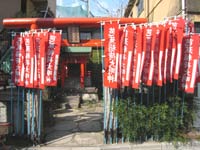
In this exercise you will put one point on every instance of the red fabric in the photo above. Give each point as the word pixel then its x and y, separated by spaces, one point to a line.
pixel 137 59
pixel 39 73
pixel 29 60
pixel 190 61
pixel 156 57
pixel 143 51
pixel 18 61
pixel 52 58
pixel 161 55
pixel 111 50
pixel 121 57
pixel 128 54
pixel 168 55
pixel 179 33
pixel 148 68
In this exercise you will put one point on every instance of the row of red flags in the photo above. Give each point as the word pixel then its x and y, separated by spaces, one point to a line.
pixel 150 54
pixel 36 58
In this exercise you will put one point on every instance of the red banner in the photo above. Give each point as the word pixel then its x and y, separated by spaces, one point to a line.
pixel 18 61
pixel 178 28
pixel 128 54
pixel 39 73
pixel 144 46
pixel 111 50
pixel 52 58
pixel 161 55
pixel 156 56
pixel 121 64
pixel 137 59
pixel 29 60
pixel 190 59
pixel 149 58
pixel 168 55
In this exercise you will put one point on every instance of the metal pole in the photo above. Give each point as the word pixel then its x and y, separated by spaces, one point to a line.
pixel 111 116
pixel 116 121
pixel 102 62
pixel 28 112
pixel 11 86
pixel 17 113
pixel 33 113
pixel 183 8
pixel 22 131
pixel 40 115
pixel 88 8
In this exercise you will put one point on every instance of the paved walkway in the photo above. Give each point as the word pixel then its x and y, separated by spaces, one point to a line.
pixel 144 146
pixel 77 127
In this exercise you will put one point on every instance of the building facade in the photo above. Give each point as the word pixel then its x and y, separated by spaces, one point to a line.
pixel 157 10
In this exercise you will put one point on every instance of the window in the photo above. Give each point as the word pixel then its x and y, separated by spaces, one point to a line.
pixel 197 27
pixel 140 6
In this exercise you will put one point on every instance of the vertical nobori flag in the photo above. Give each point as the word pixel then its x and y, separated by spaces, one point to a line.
pixel 157 58
pixel 111 46
pixel 161 55
pixel 18 61
pixel 168 50
pixel 128 54
pixel 121 64
pixel 189 63
pixel 29 60
pixel 137 59
pixel 144 46
pixel 40 60
pixel 198 68
pixel 149 58
pixel 178 27
pixel 52 58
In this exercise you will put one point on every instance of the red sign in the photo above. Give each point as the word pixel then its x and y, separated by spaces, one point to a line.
pixel 111 46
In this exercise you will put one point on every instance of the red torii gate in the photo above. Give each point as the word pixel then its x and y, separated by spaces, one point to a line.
pixel 36 23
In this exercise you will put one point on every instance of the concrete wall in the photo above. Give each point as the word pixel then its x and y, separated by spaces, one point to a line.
pixel 9 8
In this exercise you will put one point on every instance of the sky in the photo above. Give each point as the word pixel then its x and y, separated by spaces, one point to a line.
pixel 101 8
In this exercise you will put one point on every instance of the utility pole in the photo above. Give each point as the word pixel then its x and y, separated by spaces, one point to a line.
pixel 183 9
pixel 88 8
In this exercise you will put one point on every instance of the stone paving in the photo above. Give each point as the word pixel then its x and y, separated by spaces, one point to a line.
pixel 77 126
